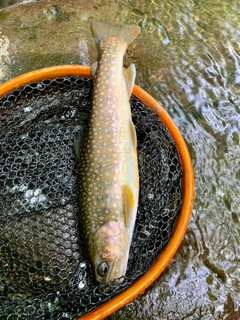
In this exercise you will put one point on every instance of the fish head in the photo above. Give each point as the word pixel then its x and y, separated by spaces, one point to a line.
pixel 110 251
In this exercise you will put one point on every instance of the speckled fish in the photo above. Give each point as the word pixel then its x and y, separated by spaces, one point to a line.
pixel 109 180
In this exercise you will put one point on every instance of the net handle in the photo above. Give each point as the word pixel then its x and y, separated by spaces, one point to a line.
pixel 187 184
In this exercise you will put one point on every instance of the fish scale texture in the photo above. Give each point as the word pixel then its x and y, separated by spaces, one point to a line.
pixel 44 269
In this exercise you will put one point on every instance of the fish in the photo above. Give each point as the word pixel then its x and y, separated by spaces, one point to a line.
pixel 109 176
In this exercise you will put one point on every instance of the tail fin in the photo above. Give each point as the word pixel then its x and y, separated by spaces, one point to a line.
pixel 103 30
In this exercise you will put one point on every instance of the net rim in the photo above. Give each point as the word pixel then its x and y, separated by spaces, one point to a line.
pixel 187 184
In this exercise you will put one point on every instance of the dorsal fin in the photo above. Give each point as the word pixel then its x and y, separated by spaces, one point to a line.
pixel 78 141
pixel 129 76
pixel 103 30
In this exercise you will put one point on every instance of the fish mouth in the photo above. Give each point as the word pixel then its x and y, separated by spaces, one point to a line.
pixel 118 280
pixel 116 276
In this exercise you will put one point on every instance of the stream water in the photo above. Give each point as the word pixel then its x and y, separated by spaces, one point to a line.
pixel 188 58
pixel 190 62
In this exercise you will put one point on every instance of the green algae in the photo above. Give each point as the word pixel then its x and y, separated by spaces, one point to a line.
pixel 4 15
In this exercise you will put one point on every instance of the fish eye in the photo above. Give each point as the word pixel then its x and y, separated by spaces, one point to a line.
pixel 103 269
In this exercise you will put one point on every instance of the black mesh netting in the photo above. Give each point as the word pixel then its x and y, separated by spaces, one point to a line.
pixel 44 272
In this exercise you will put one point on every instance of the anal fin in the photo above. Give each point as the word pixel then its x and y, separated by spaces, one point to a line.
pixel 133 134
pixel 129 76
pixel 94 68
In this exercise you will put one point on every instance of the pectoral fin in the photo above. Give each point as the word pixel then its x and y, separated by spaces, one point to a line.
pixel 129 202
pixel 130 75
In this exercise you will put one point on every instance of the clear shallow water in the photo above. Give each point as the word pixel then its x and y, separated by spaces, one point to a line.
pixel 188 57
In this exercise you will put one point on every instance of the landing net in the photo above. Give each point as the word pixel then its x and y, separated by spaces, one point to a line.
pixel 44 269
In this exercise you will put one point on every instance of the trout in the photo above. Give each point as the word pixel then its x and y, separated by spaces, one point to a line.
pixel 109 179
